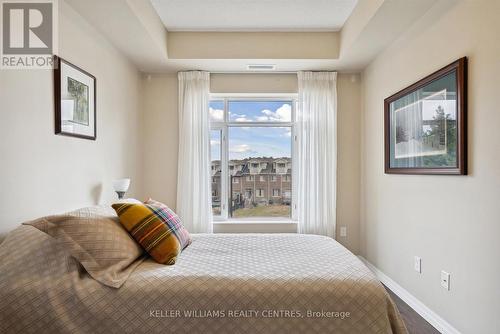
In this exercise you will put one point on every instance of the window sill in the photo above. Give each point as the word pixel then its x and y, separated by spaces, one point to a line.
pixel 264 221
pixel 255 226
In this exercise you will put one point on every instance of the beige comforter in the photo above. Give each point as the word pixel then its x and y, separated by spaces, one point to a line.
pixel 281 283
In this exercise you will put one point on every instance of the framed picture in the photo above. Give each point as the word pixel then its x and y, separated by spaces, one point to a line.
pixel 75 101
pixel 425 124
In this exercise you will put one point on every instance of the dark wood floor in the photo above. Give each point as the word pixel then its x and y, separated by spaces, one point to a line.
pixel 414 322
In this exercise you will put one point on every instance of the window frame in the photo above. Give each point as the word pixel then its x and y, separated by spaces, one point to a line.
pixel 226 124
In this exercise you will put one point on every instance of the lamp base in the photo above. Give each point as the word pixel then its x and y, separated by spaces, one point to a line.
pixel 120 194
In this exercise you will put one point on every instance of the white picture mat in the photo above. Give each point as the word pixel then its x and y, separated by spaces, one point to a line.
pixel 70 71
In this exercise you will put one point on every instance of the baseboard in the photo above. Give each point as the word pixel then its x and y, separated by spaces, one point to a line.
pixel 430 316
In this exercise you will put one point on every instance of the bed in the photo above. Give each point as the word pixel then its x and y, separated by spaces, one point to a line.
pixel 221 283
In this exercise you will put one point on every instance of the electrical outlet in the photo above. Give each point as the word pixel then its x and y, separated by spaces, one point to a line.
pixel 343 231
pixel 445 280
pixel 417 265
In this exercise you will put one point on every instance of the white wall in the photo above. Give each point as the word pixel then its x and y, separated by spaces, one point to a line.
pixel 452 222
pixel 41 173
pixel 161 139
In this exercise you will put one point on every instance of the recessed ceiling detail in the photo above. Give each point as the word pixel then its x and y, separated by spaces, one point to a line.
pixel 369 28
pixel 254 15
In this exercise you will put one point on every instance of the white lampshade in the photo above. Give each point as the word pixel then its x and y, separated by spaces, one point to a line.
pixel 121 185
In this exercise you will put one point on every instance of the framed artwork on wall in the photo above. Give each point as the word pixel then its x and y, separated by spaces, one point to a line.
pixel 74 100
pixel 426 124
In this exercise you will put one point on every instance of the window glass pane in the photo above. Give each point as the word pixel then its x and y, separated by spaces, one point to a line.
pixel 260 169
pixel 216 110
pixel 215 154
pixel 260 111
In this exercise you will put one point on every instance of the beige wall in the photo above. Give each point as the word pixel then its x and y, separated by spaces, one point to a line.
pixel 253 45
pixel 161 137
pixel 451 222
pixel 253 83
pixel 348 159
pixel 41 173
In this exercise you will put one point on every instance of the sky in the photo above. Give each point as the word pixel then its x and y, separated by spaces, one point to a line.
pixel 247 142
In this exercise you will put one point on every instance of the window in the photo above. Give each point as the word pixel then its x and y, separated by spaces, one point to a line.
pixel 252 137
pixel 215 153
pixel 286 178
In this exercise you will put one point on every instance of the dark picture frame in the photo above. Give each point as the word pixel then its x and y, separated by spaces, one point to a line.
pixel 438 143
pixel 75 101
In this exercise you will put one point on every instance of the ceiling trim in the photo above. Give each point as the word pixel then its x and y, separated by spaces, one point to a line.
pixel 135 29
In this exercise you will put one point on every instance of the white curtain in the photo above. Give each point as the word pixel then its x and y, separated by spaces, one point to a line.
pixel 317 152
pixel 193 175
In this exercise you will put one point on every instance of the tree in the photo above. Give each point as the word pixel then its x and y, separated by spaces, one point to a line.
pixel 401 134
pixel 443 120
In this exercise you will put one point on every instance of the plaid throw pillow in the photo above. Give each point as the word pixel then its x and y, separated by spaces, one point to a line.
pixel 156 228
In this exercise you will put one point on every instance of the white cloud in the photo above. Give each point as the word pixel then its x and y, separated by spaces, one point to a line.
pixel 216 114
pixel 282 114
pixel 241 118
pixel 214 142
pixel 243 148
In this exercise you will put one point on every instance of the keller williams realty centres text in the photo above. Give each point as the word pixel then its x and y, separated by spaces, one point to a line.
pixel 248 314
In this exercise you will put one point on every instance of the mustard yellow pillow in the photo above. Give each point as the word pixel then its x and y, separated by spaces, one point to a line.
pixel 156 228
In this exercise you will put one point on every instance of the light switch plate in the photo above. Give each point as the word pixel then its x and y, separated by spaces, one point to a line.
pixel 343 231
pixel 445 280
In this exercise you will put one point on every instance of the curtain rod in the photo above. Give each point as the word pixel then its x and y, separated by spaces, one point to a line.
pixel 263 72
pixel 253 72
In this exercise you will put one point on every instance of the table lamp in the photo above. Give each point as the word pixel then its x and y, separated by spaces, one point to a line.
pixel 121 187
